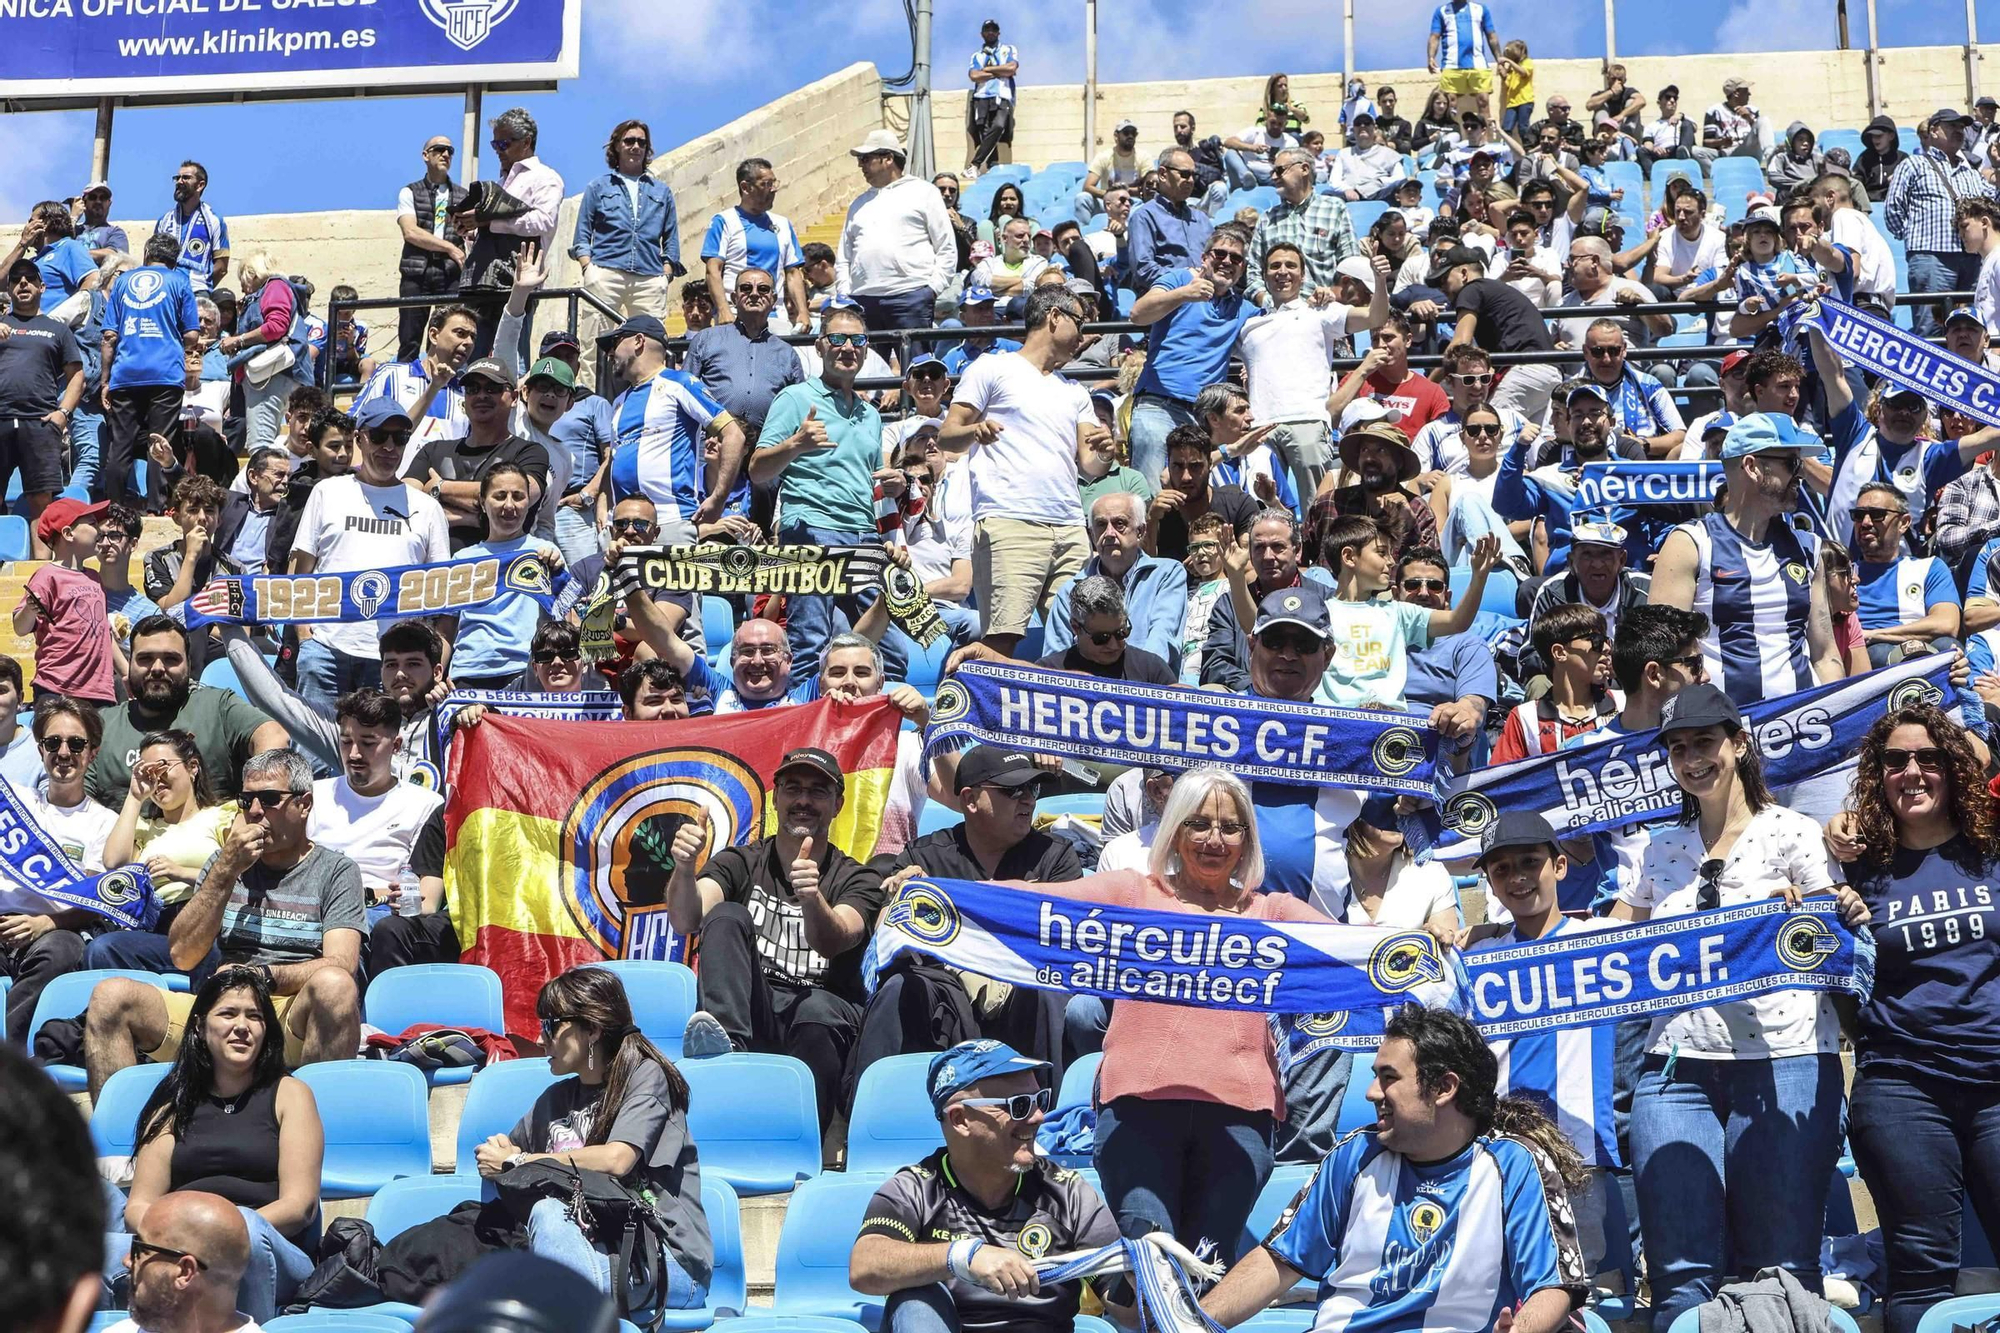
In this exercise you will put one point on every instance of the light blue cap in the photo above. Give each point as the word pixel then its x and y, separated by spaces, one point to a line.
pixel 1765 432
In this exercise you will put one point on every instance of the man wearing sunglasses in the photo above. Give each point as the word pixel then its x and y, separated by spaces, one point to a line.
pixel 628 236
pixel 1640 404
pixel 1468 383
pixel 451 471
pixel 1193 318
pixel 433 247
pixel 1909 605
pixel 986 1182
pixel 186 1264
pixel 1456 678
pixel 1170 230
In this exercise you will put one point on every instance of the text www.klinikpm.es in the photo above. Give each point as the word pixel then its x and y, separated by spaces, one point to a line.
pixel 253 41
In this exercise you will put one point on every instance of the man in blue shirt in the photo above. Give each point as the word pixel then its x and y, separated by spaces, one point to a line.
pixel 1195 315
pixel 975 311
pixel 150 326
pixel 1156 590
pixel 99 234
pixel 65 262
pixel 1167 232
pixel 1455 677
pixel 1426 1220
pixel 627 237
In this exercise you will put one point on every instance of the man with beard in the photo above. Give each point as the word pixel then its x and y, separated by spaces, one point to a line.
pixel 660 420
pixel 453 471
pixel 1384 484
pixel 1549 493
pixel 186 1263
pixel 203 235
pixel 783 921
pixel 1188 491
pixel 1271 563
pixel 1755 576
pixel 226 729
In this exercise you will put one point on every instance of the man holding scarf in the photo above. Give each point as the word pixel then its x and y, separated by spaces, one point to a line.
pixel 1549 493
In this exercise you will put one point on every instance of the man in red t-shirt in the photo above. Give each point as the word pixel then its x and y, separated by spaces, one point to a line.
pixel 1385 375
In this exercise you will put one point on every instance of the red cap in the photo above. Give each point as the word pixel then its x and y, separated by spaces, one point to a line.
pixel 63 513
pixel 1733 360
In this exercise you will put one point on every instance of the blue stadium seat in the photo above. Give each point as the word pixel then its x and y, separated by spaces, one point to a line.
pixel 114 1117
pixel 1594 1322
pixel 820 1224
pixel 1090 1323
pixel 1626 176
pixel 1501 587
pixel 756 1119
pixel 926 666
pixel 495 1101
pixel 1355 1110
pixel 718 624
pixel 1127 298
pixel 459 995
pixel 376 1114
pixel 1363 212
pixel 220 674
pixel 1078 1080
pixel 1735 178
pixel 728 1289
pixel 892 1124
pixel 1906 138
pixel 1008 171
pixel 338 1321
pixel 1088 803
pixel 937 817
pixel 402 1204
pixel 1284 1319
pixel 69 995
pixel 1666 169
pixel 1076 170
pixel 1283 1186
pixel 13 537
pixel 662 994
pixel 1848 139
pixel 1959 1312
pixel 104 1319
pixel 796 1323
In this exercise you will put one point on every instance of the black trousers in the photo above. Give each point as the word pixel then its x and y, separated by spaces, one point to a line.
pixel 32 969
pixel 992 120
pixel 923 1006
pixel 130 418
pixel 773 1014
pixel 412 320
pixel 397 941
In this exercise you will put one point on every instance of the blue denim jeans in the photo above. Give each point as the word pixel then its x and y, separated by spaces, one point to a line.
pixel 1924 1145
pixel 553 1236
pixel 811 620
pixel 576 534
pixel 145 951
pixel 324 674
pixel 1933 272
pixel 264 410
pixel 926 1309
pixel 277 1267
pixel 1190 1168
pixel 1152 418
pixel 84 429
pixel 1732 1159
pixel 1245 172
pixel 1516 119
pixel 1085 1020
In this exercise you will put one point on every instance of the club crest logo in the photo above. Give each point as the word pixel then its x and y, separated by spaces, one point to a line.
pixel 1323 1025
pixel 1912 692
pixel 1425 1219
pixel 467 22
pixel 1796 572
pixel 922 910
pixel 528 574
pixel 1805 944
pixel 952 704
pixel 119 888
pixel 1398 751
pixel 1404 961
pixel 1470 813
pixel 1034 1240
pixel 369 591
pixel 144 286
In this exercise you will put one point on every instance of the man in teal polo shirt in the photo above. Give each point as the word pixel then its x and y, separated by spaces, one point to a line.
pixel 822 444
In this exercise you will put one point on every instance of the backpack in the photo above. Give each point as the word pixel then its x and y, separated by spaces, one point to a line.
pixel 430 1047
pixel 345 1277
pixel 617 1220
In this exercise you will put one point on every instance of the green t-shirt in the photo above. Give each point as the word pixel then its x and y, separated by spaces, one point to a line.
pixel 1119 478
pixel 832 487
pixel 1372 643
pixel 221 721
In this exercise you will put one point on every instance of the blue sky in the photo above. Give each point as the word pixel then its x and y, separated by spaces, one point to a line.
pixel 721 58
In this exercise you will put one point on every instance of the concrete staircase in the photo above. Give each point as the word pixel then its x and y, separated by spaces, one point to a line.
pixel 826 231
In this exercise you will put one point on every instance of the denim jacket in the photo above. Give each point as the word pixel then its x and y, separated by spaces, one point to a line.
pixel 609 236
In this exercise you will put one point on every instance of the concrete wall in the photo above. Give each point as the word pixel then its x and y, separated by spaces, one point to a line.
pixel 1823 88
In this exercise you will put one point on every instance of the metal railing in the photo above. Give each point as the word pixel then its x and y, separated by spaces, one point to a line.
pixel 573 298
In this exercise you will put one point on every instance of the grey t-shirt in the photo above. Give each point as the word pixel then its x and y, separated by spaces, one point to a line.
pixel 274 917
pixel 561 1121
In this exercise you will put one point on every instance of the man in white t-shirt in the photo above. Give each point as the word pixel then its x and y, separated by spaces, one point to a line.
pixel 1978 222
pixel 373 818
pixel 1689 247
pixel 1249 157
pixel 1024 425
pixel 369 519
pixel 1288 350
pixel 1850 244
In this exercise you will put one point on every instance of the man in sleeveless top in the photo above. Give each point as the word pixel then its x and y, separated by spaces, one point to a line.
pixel 1751 572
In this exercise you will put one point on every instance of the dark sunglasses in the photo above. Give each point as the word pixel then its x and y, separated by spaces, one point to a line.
pixel 500 145
pixel 753 290
pixel 845 339
pixel 57 744
pixel 1298 640
pixel 549 1026
pixel 631 524
pixel 1103 636
pixel 1695 663
pixel 1493 430
pixel 143 1247
pixel 548 655
pixel 1425 585
pixel 384 435
pixel 1592 642
pixel 445 149
pixel 1020 1106
pixel 1860 512
pixel 1930 759
pixel 1604 353
pixel 1226 256
pixel 1709 896
pixel 633 141
pixel 268 799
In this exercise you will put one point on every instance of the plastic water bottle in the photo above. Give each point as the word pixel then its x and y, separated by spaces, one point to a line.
pixel 409 894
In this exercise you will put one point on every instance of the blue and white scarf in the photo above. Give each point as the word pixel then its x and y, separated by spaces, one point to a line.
pixel 1879 346
pixel 572 706
pixel 1606 484
pixel 445 588
pixel 39 876
pixel 1265 740
pixel 1808 742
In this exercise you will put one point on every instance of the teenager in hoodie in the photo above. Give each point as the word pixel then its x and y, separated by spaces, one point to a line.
pixel 1795 162
pixel 1879 156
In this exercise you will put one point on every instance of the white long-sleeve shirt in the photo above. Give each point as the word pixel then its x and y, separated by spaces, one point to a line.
pixel 896 239
pixel 537 185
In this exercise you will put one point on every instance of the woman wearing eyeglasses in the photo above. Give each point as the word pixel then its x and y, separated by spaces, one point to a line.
pixel 36 948
pixel 1736 1115
pixel 620 1107
pixel 170 821
pixel 491 644
pixel 1925 1114
pixel 228 1120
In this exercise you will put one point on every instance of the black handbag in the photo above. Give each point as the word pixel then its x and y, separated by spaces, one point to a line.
pixel 617 1220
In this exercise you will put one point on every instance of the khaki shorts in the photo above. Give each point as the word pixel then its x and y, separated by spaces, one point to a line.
pixel 181 1003
pixel 1018 566
pixel 1466 82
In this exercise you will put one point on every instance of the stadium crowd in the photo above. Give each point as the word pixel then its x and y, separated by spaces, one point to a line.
pixel 1196 453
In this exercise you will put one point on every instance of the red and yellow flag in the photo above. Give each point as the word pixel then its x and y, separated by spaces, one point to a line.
pixel 561 833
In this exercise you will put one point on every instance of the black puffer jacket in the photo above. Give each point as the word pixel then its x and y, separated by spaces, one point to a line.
pixel 1879 157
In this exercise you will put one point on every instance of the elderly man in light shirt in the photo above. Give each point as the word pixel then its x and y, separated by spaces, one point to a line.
pixel 1367 166
pixel 897 251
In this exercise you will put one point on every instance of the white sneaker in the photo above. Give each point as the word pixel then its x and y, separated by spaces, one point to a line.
pixel 704 1037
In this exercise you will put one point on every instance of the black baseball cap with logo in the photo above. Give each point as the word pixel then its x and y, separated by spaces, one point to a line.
pixel 811 757
pixel 1519 828
pixel 991 766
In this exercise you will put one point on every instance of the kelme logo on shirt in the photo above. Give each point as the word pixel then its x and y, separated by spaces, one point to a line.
pixel 467 22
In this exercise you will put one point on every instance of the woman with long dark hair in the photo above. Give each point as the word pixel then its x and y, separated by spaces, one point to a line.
pixel 170 821
pixel 622 1110
pixel 1729 1090
pixel 1925 1114
pixel 228 1120
pixel 1007 205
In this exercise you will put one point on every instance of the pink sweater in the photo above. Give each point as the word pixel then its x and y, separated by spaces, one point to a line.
pixel 1183 1052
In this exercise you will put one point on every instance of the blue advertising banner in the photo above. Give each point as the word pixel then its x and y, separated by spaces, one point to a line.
pixel 65 48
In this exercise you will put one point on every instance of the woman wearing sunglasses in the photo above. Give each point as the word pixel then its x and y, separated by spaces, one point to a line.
pixel 36 948
pixel 491 643
pixel 228 1120
pixel 1736 1115
pixel 170 821
pixel 619 1106
pixel 1926 1101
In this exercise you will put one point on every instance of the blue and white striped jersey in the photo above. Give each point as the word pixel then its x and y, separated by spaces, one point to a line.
pixel 1569 1072
pixel 203 235
pixel 660 425
pixel 1440 1248
pixel 1758 598
pixel 405 381
pixel 1918 470
pixel 1896 592
pixel 753 240
pixel 1462 29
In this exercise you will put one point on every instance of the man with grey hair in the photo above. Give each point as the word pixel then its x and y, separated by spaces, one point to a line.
pixel 1367 166
pixel 1100 638
pixel 1316 223
pixel 1155 590
pixel 1167 232
pixel 538 188
pixel 272 899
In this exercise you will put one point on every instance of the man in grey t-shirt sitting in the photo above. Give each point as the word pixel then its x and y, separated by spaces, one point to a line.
pixel 271 898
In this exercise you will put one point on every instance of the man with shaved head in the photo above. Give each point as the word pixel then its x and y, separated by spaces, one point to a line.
pixel 186 1263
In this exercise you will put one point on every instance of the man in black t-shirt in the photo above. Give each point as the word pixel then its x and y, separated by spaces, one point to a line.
pixel 960 1231
pixel 1500 319
pixel 1186 493
pixel 452 470
pixel 782 924
pixel 41 382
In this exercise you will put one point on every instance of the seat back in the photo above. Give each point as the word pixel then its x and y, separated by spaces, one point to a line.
pixel 821 1221
pixel 13 537
pixel 1959 1312
pixel 1078 1080
pixel 1355 1110
pixel 1848 139
pixel 337 1321
pixel 496 1099
pixel 662 995
pixel 114 1118
pixel 1364 212
pixel 1666 169
pixel 756 1119
pixel 462 995
pixel 413 1200
pixel 376 1115
pixel 892 1125
pixel 1626 176
pixel 69 994
pixel 728 1285
pixel 1736 178
pixel 1277 1194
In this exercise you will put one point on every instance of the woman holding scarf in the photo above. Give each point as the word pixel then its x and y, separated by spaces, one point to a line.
pixel 1736 1116
pixel 492 644
pixel 1925 1116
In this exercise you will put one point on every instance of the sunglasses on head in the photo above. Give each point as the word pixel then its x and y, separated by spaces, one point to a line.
pixel 1930 758
pixel 1020 1106
pixel 57 744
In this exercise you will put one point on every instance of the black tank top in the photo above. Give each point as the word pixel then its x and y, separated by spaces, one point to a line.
pixel 231 1148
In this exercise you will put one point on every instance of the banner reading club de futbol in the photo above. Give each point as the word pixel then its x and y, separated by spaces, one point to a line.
pixel 561 833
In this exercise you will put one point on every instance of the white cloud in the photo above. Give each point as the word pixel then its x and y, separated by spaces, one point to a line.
pixel 1779 25
pixel 48 157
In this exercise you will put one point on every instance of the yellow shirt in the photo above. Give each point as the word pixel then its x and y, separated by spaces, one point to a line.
pixel 1519 87
pixel 188 844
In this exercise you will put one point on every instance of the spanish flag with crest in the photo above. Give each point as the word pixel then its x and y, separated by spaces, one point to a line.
pixel 560 834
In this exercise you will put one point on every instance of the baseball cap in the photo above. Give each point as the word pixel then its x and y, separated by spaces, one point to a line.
pixel 1733 360
pixel 555 339
pixel 1126 124
pixel 927 359
pixel 62 513
pixel 1891 390
pixel 1735 85
pixel 1451 259
pixel 1766 216
pixel 1763 432
pixel 649 325
pixel 549 368
pixel 991 766
pixel 1588 389
pixel 1359 268
pixel 1950 115
pixel 487 368
pixel 1702 705
pixel 977 294
pixel 106 185
pixel 1987 101
pixel 379 412
pixel 989 23
pixel 1304 606
pixel 1596 532
pixel 1082 287
pixel 967 1063
pixel 1364 410
pixel 1519 828
pixel 819 761
pixel 1964 314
